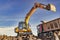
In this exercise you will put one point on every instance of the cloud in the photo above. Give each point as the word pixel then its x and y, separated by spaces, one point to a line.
pixel 11 18
pixel 8 31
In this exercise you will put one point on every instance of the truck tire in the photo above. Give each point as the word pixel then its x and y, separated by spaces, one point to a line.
pixel 40 35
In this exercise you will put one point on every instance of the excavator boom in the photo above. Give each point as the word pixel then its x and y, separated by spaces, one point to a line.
pixel 29 14
pixel 39 5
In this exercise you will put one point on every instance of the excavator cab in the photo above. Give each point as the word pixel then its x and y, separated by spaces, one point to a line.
pixel 23 28
pixel 22 25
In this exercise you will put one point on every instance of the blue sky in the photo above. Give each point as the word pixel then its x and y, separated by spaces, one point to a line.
pixel 13 11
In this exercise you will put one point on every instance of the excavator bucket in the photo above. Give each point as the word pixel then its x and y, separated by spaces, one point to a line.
pixel 51 7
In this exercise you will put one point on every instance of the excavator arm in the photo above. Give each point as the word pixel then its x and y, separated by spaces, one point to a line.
pixel 29 14
pixel 38 5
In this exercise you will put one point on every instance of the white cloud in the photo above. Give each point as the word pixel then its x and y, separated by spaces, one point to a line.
pixel 8 31
pixel 11 18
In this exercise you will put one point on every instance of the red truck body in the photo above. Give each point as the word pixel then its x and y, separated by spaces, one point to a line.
pixel 49 26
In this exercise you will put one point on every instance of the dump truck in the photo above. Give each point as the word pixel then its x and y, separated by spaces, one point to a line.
pixel 49 29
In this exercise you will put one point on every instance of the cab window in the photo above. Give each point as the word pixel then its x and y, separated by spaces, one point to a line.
pixel 20 26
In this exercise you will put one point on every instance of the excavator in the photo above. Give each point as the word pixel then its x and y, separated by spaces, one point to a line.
pixel 23 28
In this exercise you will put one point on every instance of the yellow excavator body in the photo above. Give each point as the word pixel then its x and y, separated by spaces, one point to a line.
pixel 23 30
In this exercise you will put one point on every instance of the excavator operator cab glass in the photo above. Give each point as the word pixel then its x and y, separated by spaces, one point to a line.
pixel 22 25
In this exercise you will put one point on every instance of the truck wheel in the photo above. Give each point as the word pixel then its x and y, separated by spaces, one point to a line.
pixel 40 35
pixel 52 37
